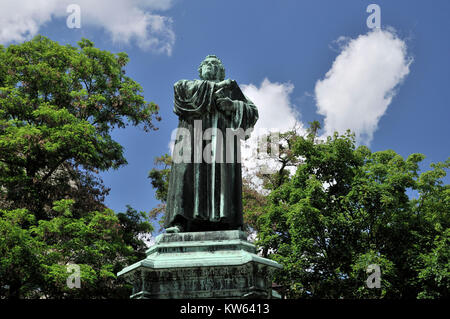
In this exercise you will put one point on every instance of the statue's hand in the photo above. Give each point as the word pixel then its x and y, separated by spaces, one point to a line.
pixel 225 83
pixel 225 105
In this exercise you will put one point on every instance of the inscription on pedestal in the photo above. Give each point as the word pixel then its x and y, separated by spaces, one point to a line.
pixel 206 268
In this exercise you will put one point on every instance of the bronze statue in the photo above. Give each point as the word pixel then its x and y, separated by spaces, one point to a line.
pixel 205 186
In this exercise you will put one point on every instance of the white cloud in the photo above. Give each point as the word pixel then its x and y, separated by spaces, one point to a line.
pixel 361 83
pixel 124 20
pixel 276 114
pixel 276 111
pixel 20 20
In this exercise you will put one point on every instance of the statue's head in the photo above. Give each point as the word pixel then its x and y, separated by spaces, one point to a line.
pixel 211 69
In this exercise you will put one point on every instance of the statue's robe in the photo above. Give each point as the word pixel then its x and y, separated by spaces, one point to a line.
pixel 205 193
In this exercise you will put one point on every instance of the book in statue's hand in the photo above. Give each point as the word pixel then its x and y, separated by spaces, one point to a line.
pixel 232 91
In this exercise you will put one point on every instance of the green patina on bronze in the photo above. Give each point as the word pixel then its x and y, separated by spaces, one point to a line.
pixel 207 194
pixel 215 264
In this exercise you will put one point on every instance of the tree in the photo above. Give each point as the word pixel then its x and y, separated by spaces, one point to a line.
pixel 36 254
pixel 58 106
pixel 159 177
pixel 347 208
pixel 343 210
pixel 433 206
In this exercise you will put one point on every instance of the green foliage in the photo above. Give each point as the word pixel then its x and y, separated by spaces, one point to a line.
pixel 19 251
pixel 159 177
pixel 346 208
pixel 58 106
pixel 37 253
pixel 359 274
pixel 434 273
pixel 136 227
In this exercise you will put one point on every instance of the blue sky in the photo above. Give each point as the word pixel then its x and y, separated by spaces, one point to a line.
pixel 280 53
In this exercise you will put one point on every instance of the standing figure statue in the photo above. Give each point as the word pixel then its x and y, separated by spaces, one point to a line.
pixel 205 186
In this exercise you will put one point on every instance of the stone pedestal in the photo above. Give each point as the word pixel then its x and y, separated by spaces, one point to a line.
pixel 214 264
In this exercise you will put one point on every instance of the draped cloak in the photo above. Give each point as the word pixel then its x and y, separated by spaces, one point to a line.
pixel 205 192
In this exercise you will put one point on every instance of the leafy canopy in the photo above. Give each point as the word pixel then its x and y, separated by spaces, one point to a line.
pixel 58 106
pixel 346 208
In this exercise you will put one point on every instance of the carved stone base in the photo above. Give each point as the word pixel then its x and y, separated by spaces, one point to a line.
pixel 214 264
